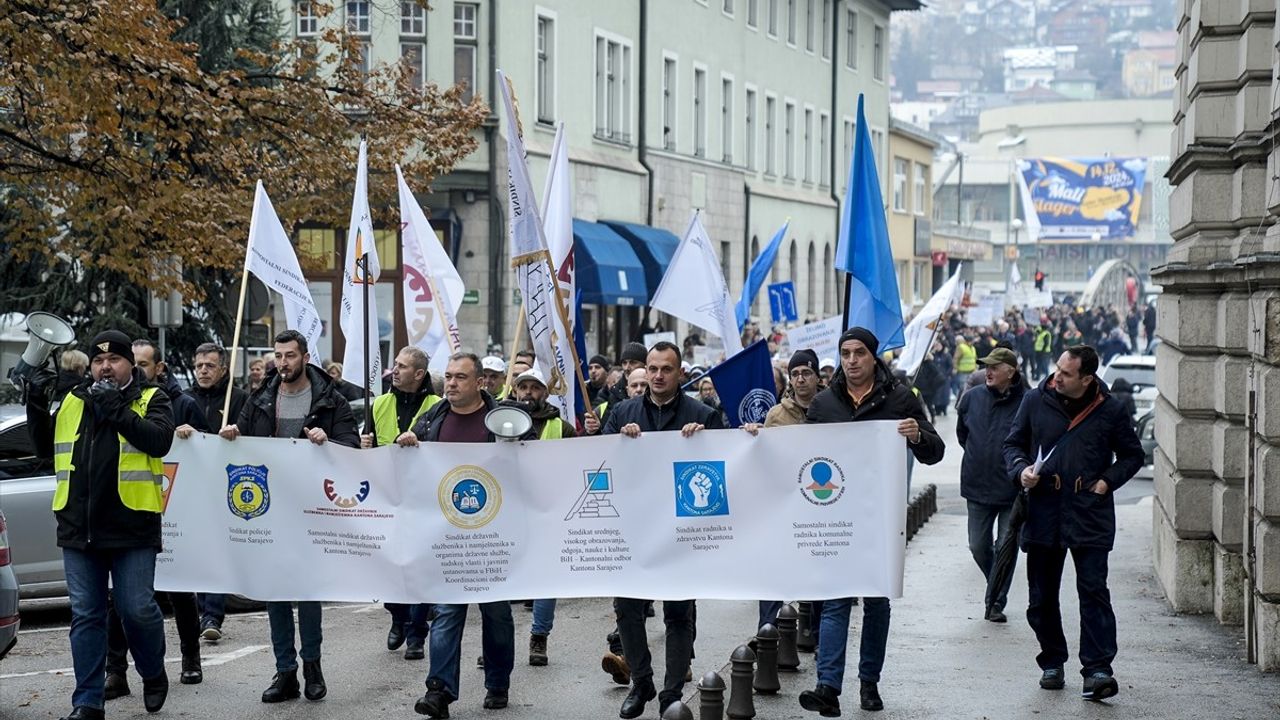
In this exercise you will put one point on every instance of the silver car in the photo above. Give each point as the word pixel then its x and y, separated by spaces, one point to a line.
pixel 26 494
pixel 9 620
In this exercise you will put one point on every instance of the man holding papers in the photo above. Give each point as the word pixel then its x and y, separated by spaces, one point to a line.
pixel 1086 449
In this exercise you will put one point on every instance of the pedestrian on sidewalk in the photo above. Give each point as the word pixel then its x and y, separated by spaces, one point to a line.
pixel 982 423
pixel 1090 450
pixel 863 389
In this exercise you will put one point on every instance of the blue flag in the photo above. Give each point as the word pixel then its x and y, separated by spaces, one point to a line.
pixel 863 249
pixel 744 383
pixel 756 275
pixel 580 404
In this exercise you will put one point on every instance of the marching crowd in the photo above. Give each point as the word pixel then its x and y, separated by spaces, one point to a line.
pixel 107 432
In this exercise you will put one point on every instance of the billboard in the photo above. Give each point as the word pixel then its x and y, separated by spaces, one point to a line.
pixel 1077 198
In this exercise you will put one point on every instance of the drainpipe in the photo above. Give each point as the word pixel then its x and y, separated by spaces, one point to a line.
pixel 835 113
pixel 497 213
pixel 642 137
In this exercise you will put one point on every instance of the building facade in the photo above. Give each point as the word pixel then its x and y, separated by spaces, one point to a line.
pixel 910 215
pixel 1216 541
pixel 741 109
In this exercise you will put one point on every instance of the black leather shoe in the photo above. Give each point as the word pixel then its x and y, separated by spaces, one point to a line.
pixel 495 699
pixel 996 615
pixel 641 692
pixel 1099 686
pixel 414 650
pixel 117 685
pixel 313 680
pixel 284 686
pixel 435 703
pixel 395 636
pixel 1053 679
pixel 86 713
pixel 154 692
pixel 537 650
pixel 824 700
pixel 191 672
pixel 869 696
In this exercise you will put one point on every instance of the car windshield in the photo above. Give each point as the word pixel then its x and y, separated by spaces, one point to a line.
pixel 1137 375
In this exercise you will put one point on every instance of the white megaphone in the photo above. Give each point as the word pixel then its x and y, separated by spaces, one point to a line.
pixel 508 423
pixel 47 331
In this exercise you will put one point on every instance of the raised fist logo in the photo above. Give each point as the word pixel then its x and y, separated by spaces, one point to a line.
pixel 700 484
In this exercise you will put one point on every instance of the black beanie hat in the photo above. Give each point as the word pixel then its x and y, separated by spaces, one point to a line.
pixel 803 358
pixel 600 360
pixel 862 334
pixel 112 341
pixel 634 351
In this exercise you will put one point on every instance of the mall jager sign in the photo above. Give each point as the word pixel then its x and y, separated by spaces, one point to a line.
pixel 1084 198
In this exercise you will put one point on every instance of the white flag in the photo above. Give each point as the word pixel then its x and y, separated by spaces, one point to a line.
pixel 557 218
pixel 272 259
pixel 360 242
pixel 693 288
pixel 1032 222
pixel 919 331
pixel 432 288
pixel 552 341
pixel 1015 276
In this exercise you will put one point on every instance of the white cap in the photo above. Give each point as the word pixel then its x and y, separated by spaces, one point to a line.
pixel 495 364
pixel 531 374
pixel 826 363
pixel 685 366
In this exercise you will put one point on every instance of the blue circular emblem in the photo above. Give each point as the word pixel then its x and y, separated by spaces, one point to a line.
pixel 469 497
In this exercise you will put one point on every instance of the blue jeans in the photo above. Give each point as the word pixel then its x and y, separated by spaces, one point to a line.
pixel 213 608
pixel 281 616
pixel 497 642
pixel 834 638
pixel 769 613
pixel 982 519
pixel 132 574
pixel 1044 615
pixel 414 618
pixel 544 616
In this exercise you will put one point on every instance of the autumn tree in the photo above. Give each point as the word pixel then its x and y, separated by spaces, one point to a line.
pixel 133 133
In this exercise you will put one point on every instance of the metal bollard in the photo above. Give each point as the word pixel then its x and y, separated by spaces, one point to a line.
pixel 677 711
pixel 804 628
pixel 711 697
pixel 766 680
pixel 742 706
pixel 788 659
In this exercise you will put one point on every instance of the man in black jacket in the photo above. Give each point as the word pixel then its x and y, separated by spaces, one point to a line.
pixel 107 441
pixel 864 389
pixel 1089 449
pixel 634 356
pixel 663 408
pixel 209 394
pixel 982 423
pixel 296 400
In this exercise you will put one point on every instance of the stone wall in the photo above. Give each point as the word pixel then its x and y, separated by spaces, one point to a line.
pixel 1217 508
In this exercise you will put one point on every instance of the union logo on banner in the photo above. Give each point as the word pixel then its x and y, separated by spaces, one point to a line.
pixel 247 493
pixel 170 477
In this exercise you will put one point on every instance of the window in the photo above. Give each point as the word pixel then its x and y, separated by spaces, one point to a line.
pixel 728 8
pixel 808 145
pixel 877 47
pixel 358 18
pixel 808 24
pixel 877 145
pixel 364 58
pixel 613 89
pixel 725 248
pixel 851 39
pixel 824 147
pixel 773 18
pixel 789 140
pixel 464 47
pixel 900 171
pixel 750 129
pixel 921 179
pixel 726 119
pixel 825 24
pixel 753 14
pixel 414 55
pixel 791 22
pixel 669 103
pixel 810 307
pixel 308 20
pixel 850 138
pixel 464 21
pixel 545 70
pixel 413 18
pixel 700 112
pixel 770 141
pixel 828 284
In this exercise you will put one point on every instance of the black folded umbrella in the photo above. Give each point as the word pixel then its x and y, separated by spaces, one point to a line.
pixel 1007 551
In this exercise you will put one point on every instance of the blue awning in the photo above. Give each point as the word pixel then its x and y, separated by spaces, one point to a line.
pixel 606 268
pixel 654 246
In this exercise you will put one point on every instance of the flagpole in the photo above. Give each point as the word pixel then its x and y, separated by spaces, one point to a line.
pixel 928 348
pixel 362 264
pixel 848 296
pixel 515 342
pixel 244 288
pixel 454 344
pixel 573 347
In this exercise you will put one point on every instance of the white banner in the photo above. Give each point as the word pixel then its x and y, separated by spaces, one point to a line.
pixel 822 337
pixel 354 314
pixel 272 259
pixel 432 289
pixel 814 511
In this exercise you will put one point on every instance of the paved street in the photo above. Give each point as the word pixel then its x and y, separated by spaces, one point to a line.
pixel 944 661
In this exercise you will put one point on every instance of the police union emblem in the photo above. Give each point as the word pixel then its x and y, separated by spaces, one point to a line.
pixel 247 494
pixel 755 406
pixel 469 496
pixel 701 489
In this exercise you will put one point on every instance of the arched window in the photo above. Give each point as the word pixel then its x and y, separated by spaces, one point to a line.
pixel 810 306
pixel 828 282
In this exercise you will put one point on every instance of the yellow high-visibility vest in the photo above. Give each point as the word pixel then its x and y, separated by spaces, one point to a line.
pixel 139 475
pixel 385 423
pixel 968 361
pixel 553 430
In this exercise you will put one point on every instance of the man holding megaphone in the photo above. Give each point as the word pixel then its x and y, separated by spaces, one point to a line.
pixel 107 440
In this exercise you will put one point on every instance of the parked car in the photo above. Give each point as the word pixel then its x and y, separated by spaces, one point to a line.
pixel 1139 370
pixel 1144 401
pixel 1147 436
pixel 9 620
pixel 26 492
